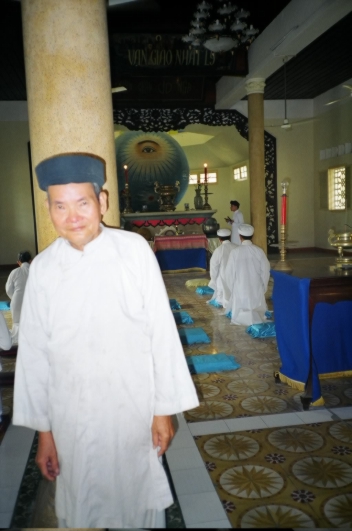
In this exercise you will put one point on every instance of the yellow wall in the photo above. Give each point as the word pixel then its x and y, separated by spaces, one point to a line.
pixel 16 216
pixel 295 163
pixel 225 190
pixel 333 128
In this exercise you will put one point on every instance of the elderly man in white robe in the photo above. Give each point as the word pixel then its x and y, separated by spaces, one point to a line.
pixel 100 367
pixel 217 266
pixel 247 274
pixel 14 288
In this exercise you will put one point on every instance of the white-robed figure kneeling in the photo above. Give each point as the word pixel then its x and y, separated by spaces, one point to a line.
pixel 217 267
pixel 247 274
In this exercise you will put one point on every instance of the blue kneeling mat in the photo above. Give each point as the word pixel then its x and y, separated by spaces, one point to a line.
pixel 212 363
pixel 174 304
pixel 262 330
pixel 182 318
pixel 189 336
pixel 204 290
pixel 4 305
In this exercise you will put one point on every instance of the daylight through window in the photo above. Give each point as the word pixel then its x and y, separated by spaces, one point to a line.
pixel 240 174
pixel 337 188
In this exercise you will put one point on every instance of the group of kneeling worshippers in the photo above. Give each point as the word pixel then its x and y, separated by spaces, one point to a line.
pixel 239 276
pixel 100 368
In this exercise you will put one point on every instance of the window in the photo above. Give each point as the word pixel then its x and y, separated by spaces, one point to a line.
pixel 240 174
pixel 212 178
pixel 337 188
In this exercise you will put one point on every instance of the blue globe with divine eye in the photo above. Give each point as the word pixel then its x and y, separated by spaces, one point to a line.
pixel 149 157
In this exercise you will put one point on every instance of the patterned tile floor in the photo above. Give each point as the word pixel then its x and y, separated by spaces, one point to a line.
pixel 249 456
pixel 283 477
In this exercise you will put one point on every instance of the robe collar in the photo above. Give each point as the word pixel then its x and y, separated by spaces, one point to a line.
pixel 72 255
pixel 247 242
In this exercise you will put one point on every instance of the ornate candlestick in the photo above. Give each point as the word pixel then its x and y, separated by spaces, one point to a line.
pixel 127 198
pixel 206 205
pixel 283 265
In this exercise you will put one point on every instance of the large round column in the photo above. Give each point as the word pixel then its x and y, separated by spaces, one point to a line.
pixel 255 92
pixel 69 91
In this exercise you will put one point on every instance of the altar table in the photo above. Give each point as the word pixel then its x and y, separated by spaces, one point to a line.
pixel 181 253
pixel 313 320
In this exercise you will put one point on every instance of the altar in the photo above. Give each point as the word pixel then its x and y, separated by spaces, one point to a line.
pixel 190 220
pixel 181 253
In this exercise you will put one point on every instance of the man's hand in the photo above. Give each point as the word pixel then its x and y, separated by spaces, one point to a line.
pixel 46 458
pixel 163 432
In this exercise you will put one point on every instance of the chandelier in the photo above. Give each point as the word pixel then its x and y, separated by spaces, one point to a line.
pixel 219 27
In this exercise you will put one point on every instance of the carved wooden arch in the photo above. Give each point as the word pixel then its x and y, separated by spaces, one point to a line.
pixel 174 119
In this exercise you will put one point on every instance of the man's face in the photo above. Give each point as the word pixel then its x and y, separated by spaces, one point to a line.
pixel 233 208
pixel 76 212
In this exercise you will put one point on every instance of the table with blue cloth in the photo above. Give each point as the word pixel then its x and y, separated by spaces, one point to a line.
pixel 313 320
pixel 187 252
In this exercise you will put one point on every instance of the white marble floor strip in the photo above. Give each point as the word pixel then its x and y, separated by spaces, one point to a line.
pixel 199 502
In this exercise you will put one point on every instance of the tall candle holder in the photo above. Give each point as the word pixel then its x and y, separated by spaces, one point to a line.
pixel 283 265
pixel 206 205
pixel 127 198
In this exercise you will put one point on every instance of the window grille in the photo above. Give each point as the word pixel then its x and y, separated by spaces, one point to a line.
pixel 212 178
pixel 240 174
pixel 337 188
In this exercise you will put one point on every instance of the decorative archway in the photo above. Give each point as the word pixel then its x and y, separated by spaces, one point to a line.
pixel 173 119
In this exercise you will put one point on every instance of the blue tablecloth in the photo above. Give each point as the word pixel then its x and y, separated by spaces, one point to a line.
pixel 180 259
pixel 331 334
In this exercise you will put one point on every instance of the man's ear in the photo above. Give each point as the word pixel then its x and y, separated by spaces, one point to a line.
pixel 103 200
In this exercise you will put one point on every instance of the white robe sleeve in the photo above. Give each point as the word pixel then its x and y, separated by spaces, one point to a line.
pixel 32 365
pixel 174 388
pixel 5 336
pixel 240 219
pixel 265 271
pixel 214 268
pixel 10 285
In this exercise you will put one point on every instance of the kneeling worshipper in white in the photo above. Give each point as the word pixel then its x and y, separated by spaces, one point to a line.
pixel 5 344
pixel 217 266
pixel 100 367
pixel 15 287
pixel 247 275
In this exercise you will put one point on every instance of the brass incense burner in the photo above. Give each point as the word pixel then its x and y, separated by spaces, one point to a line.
pixel 167 195
pixel 341 241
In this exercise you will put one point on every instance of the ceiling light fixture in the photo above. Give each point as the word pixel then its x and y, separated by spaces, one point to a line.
pixel 220 28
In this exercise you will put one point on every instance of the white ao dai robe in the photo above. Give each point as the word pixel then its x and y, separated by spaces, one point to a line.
pixel 237 221
pixel 99 355
pixel 247 274
pixel 15 287
pixel 217 266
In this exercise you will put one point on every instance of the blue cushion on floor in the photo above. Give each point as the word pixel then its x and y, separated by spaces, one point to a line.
pixel 4 305
pixel 262 330
pixel 212 363
pixel 204 290
pixel 215 303
pixel 183 318
pixel 174 304
pixel 189 336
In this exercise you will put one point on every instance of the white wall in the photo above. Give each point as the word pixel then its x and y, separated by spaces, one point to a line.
pixel 295 163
